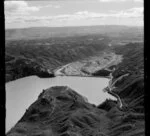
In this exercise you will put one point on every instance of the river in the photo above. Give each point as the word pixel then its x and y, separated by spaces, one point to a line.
pixel 21 93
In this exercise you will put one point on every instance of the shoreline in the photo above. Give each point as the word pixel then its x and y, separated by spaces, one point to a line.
pixel 108 89
pixel 62 71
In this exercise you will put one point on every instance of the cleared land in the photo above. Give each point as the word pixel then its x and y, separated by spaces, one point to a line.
pixel 90 65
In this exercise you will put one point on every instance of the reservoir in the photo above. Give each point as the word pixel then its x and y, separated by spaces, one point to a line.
pixel 21 93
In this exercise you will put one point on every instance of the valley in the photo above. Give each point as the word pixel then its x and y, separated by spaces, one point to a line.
pixel 60 110
pixel 42 60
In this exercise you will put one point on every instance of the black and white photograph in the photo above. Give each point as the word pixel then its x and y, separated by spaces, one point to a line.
pixel 74 67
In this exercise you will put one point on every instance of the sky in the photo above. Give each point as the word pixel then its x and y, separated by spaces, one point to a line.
pixel 59 13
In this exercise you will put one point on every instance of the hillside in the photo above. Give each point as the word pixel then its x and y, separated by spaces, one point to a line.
pixel 128 79
pixel 60 111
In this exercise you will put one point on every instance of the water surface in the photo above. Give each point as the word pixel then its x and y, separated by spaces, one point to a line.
pixel 21 93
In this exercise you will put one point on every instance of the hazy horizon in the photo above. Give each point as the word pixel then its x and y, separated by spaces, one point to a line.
pixel 73 26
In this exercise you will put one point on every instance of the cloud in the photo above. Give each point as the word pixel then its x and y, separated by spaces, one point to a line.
pixel 111 0
pixel 15 10
pixel 50 6
pixel 19 11
pixel 139 0
pixel 129 13
pixel 18 8
pixel 120 0
pixel 133 12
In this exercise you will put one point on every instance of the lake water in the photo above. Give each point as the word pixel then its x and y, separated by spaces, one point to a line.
pixel 21 93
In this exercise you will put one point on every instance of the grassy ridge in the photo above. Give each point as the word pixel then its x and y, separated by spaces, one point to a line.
pixel 130 120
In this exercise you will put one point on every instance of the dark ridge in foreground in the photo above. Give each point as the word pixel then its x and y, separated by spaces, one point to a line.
pixel 60 111
pixel 128 83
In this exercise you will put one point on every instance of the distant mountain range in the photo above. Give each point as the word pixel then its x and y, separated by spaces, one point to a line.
pixel 47 32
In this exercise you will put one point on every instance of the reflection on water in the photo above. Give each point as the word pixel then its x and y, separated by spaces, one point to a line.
pixel 21 93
